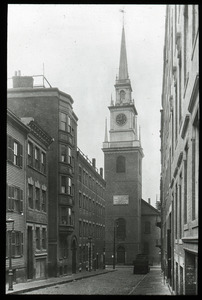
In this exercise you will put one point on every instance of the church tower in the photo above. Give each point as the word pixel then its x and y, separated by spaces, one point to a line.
pixel 123 172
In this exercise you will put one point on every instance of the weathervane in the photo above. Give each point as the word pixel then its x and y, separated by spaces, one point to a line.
pixel 123 12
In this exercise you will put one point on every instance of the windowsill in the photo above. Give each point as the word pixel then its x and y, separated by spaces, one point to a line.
pixel 194 223
pixel 35 169
pixel 37 254
pixel 186 227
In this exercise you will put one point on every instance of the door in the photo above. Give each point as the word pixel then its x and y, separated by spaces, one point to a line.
pixel 74 256
pixel 120 255
pixel 29 253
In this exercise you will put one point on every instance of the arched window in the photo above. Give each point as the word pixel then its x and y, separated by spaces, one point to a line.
pixel 122 94
pixel 121 228
pixel 121 164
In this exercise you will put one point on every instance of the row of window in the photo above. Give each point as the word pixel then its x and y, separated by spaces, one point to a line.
pixel 14 199
pixel 90 182
pixel 87 229
pixel 37 198
pixel 14 152
pixel 36 158
pixel 90 205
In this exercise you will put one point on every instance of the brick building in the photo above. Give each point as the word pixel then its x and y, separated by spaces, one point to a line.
pixel 16 195
pixel 180 149
pixel 37 200
pixel 123 172
pixel 53 111
pixel 90 219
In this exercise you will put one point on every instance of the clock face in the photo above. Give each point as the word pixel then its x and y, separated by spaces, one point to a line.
pixel 121 119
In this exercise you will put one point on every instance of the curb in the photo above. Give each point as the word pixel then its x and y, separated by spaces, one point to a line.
pixel 57 283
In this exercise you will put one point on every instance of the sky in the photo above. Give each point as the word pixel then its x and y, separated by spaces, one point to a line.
pixel 77 48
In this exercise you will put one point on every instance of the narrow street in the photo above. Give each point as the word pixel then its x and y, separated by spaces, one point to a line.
pixel 120 282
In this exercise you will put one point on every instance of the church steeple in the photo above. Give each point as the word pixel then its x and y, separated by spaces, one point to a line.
pixel 123 85
pixel 123 66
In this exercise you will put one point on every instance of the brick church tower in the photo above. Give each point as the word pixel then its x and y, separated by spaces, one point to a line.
pixel 123 172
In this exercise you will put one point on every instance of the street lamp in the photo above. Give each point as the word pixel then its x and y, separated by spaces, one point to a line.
pixel 10 270
pixel 114 246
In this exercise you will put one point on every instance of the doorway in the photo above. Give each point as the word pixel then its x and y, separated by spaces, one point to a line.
pixel 121 255
pixel 73 256
pixel 30 262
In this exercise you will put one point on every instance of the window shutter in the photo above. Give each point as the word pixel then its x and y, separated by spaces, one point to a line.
pixel 10 153
pixel 21 243
pixel 12 243
pixel 21 200
pixel 20 155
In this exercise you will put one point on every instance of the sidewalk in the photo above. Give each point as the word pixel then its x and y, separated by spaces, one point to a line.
pixel 28 286
pixel 153 283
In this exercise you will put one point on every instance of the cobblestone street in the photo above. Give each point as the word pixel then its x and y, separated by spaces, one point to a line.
pixel 120 282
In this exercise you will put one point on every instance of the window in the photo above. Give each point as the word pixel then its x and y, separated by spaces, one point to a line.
pixel 30 196
pixel 185 183
pixel 15 199
pixel 66 185
pixel 65 154
pixel 30 154
pixel 63 184
pixel 195 164
pixel 147 227
pixel 63 218
pixel 120 228
pixel 176 211
pixel 180 206
pixel 65 122
pixel 80 228
pixel 80 174
pixel 43 162
pixel 120 164
pixel 122 95
pixel 17 243
pixel 14 151
pixel 37 200
pixel 44 238
pixel 43 204
pixel 37 238
pixel 80 199
pixel 36 158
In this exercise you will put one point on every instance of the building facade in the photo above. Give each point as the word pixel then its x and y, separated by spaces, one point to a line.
pixel 53 111
pixel 90 220
pixel 38 143
pixel 180 149
pixel 16 196
pixel 150 233
pixel 123 172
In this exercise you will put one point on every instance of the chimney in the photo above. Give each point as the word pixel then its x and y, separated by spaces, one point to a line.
pixel 149 200
pixel 94 162
pixel 22 81
pixel 101 172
